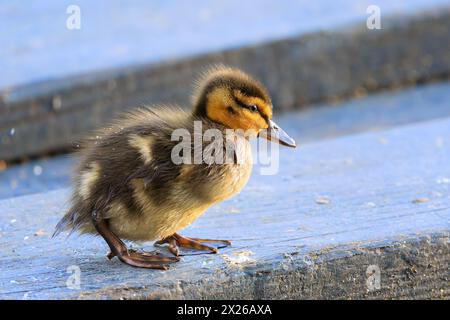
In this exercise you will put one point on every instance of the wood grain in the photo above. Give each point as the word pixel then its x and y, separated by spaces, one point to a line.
pixel 286 244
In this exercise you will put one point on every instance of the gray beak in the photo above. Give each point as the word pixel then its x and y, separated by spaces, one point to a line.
pixel 276 134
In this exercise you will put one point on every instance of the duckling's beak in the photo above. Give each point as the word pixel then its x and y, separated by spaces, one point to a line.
pixel 276 134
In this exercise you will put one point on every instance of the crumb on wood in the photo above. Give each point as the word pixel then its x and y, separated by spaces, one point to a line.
pixel 304 228
pixel 421 200
pixel 232 209
pixel 40 233
pixel 239 258
pixel 443 180
pixel 322 200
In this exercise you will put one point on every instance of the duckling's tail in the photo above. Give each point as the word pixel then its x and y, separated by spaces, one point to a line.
pixel 68 222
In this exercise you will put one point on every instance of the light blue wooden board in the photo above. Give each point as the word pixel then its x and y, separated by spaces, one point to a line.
pixel 36 45
pixel 371 180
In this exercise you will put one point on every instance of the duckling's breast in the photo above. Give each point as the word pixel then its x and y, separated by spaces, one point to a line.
pixel 203 186
pixel 232 177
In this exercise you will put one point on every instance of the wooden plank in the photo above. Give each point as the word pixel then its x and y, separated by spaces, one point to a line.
pixel 388 206
pixel 298 70
pixel 38 46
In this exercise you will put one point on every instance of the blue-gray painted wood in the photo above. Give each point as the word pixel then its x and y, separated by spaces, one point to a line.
pixel 37 46
pixel 375 112
pixel 388 205
pixel 347 61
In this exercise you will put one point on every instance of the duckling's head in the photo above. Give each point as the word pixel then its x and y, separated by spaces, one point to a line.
pixel 234 99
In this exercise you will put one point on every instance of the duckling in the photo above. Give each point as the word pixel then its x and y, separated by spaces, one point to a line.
pixel 128 185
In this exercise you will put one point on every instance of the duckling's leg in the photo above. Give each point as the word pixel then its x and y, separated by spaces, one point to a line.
pixel 130 257
pixel 176 241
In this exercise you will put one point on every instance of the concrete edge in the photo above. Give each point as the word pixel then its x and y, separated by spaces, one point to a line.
pixel 322 66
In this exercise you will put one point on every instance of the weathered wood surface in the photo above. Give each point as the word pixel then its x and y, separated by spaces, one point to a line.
pixel 298 70
pixel 388 205
pixel 372 113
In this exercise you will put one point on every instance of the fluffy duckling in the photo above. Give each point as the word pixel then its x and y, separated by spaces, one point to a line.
pixel 128 185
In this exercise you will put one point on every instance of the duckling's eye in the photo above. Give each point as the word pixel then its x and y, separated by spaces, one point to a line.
pixel 253 108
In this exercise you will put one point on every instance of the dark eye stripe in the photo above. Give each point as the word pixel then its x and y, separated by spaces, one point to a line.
pixel 243 105
pixel 239 103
